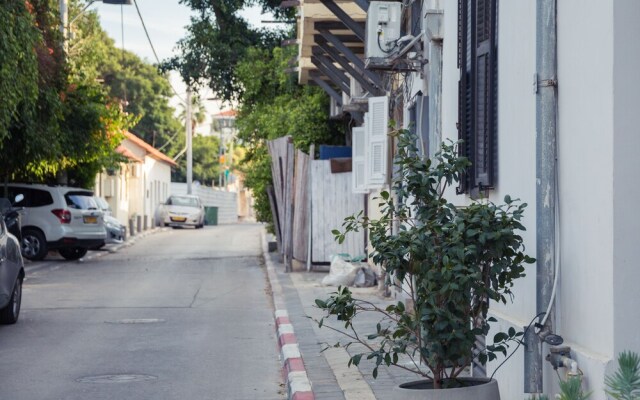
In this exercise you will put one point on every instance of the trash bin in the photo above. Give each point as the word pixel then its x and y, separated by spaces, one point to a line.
pixel 211 215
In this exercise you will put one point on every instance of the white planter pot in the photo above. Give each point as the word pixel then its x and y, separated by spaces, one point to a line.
pixel 477 389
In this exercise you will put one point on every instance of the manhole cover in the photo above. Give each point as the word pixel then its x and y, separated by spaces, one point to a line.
pixel 116 378
pixel 137 321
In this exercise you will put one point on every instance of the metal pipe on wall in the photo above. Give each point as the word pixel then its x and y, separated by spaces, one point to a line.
pixel 546 184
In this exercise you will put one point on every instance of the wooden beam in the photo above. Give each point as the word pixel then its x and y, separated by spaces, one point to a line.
pixel 315 77
pixel 346 52
pixel 346 19
pixel 340 80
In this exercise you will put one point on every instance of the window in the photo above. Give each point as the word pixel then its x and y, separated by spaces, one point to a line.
pixel 81 200
pixel 478 90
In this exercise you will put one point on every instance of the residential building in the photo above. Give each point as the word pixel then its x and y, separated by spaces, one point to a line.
pixel 544 96
pixel 137 188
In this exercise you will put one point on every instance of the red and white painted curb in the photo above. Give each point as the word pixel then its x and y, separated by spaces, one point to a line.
pixel 293 369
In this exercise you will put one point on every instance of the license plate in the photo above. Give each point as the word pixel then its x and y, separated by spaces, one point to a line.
pixel 178 219
pixel 90 220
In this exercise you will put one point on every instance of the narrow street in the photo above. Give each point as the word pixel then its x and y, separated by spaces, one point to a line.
pixel 182 314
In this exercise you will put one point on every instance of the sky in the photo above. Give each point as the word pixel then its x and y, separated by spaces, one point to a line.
pixel 165 21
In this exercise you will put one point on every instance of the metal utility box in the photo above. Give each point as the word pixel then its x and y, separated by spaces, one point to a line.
pixel 382 28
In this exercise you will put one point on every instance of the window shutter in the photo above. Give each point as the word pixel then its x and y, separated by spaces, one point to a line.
pixel 477 92
pixel 377 141
pixel 358 143
pixel 485 94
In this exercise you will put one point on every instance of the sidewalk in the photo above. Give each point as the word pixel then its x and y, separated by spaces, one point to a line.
pixel 327 371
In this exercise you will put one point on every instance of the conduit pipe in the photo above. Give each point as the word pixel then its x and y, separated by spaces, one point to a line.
pixel 545 83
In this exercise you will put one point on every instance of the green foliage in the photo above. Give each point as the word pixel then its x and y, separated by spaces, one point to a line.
pixel 274 105
pixel 539 397
pixel 571 389
pixel 19 39
pixel 453 260
pixel 624 384
pixel 206 166
pixel 217 40
pixel 69 125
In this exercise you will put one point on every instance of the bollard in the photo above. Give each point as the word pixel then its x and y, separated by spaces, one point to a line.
pixel 138 223
pixel 132 231
pixel 145 223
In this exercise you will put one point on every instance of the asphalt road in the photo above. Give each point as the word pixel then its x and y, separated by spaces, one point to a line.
pixel 181 315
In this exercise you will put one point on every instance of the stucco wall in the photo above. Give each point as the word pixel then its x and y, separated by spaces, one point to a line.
pixel 626 101
pixel 592 184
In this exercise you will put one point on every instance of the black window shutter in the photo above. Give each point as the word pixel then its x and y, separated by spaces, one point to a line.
pixel 477 55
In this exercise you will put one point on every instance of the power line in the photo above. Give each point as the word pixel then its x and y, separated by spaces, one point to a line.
pixel 154 49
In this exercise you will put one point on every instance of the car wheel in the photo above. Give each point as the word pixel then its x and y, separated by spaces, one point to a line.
pixel 34 245
pixel 73 253
pixel 10 313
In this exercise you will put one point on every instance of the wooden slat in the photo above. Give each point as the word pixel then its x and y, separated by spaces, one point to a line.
pixel 300 208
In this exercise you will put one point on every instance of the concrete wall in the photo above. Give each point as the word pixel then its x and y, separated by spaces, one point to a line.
pixel 225 201
pixel 598 141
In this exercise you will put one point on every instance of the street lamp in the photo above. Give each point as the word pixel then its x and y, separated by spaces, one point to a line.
pixel 64 13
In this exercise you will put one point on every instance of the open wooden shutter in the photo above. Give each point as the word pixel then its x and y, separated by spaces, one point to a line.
pixel 358 143
pixel 377 141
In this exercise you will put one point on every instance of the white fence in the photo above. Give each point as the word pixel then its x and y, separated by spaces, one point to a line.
pixel 227 202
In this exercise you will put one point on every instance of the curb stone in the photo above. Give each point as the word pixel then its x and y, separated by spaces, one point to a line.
pixel 293 370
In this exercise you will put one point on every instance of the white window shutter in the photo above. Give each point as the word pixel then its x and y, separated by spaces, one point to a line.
pixel 378 122
pixel 358 150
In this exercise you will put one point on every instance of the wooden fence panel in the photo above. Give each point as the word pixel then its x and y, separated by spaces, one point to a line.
pixel 331 202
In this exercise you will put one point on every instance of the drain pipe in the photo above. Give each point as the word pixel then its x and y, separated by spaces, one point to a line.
pixel 545 83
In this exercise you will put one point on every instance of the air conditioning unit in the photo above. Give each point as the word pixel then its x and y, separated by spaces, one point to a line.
pixel 382 32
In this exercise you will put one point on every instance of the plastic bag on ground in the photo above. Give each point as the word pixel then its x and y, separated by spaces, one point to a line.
pixel 341 273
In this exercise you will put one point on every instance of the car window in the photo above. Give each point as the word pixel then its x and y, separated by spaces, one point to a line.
pixel 14 191
pixel 81 200
pixel 183 201
pixel 39 198
pixel 102 203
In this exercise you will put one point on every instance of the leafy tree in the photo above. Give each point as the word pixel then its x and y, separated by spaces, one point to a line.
pixel 217 40
pixel 206 166
pixel 17 50
pixel 69 126
pixel 198 112
pixel 137 85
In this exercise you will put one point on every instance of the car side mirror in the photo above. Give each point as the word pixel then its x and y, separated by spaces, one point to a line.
pixel 18 198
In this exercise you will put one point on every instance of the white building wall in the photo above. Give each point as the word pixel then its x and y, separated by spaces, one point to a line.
pixel 591 185
pixel 157 181
pixel 626 192
pixel 225 201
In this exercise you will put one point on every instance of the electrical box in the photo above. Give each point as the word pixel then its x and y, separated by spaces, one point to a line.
pixel 382 30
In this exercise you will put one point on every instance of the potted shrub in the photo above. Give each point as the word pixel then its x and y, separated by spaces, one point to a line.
pixel 450 261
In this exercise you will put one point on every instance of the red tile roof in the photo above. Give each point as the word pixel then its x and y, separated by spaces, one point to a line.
pixel 153 152
pixel 227 113
pixel 127 153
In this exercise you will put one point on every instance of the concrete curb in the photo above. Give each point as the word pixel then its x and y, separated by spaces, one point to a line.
pixel 293 369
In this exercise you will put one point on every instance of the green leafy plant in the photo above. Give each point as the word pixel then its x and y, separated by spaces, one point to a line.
pixel 624 384
pixel 571 389
pixel 539 397
pixel 450 261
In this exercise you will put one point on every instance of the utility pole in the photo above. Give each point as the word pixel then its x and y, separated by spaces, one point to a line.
pixel 64 21
pixel 189 138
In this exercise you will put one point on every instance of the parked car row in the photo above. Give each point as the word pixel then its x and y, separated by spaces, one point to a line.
pixel 69 220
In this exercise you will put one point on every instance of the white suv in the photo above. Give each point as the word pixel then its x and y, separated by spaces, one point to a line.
pixel 58 218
